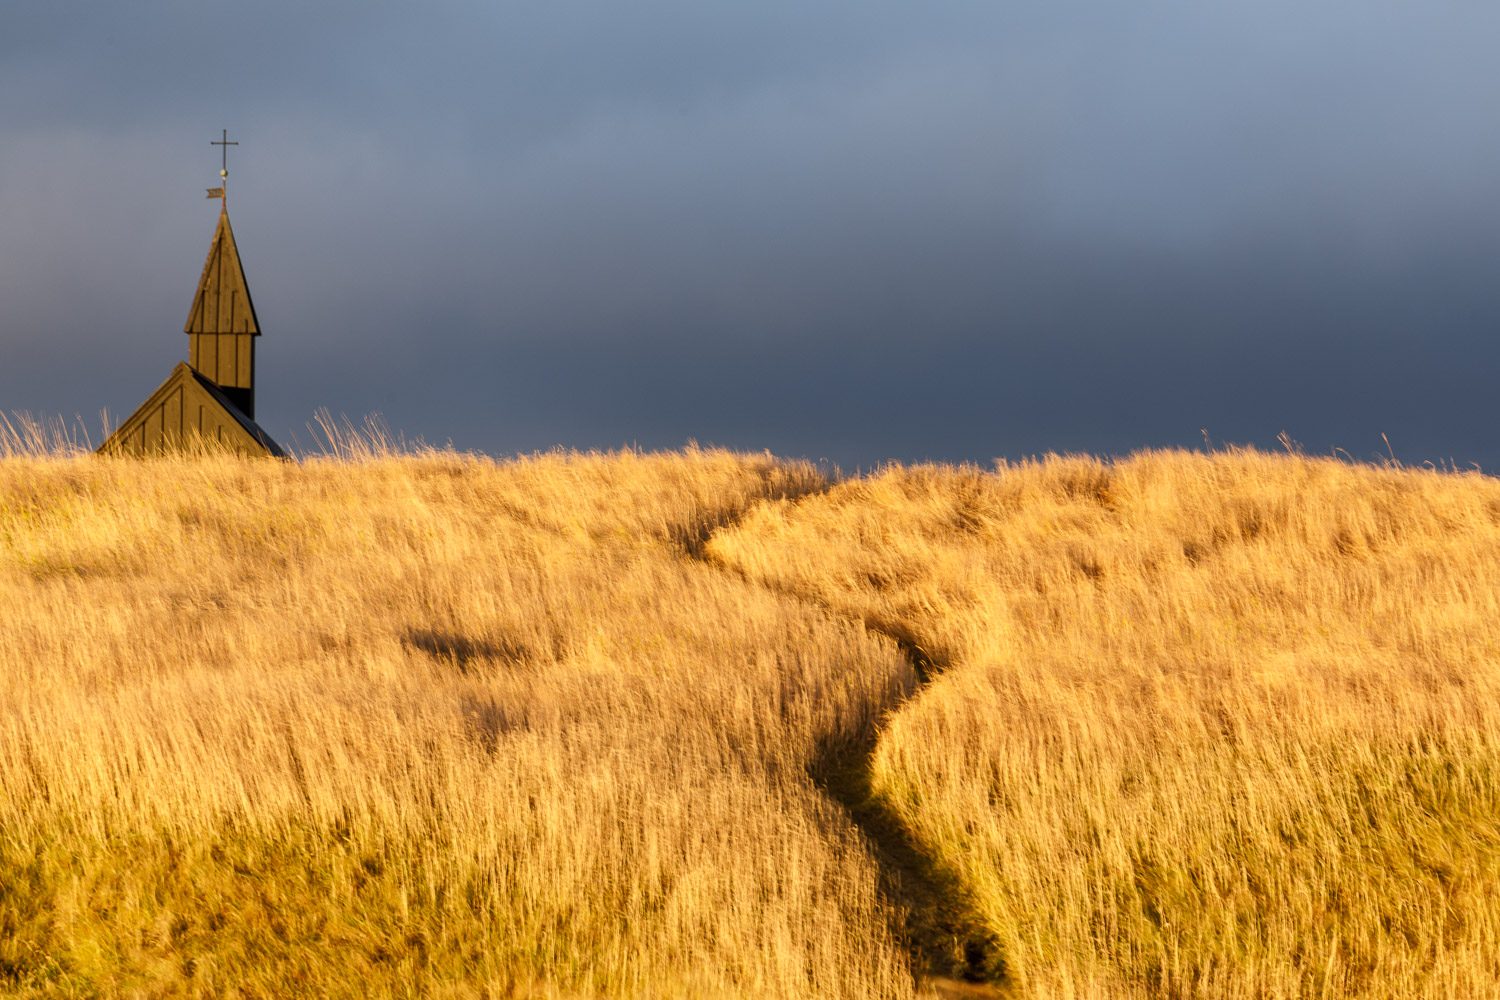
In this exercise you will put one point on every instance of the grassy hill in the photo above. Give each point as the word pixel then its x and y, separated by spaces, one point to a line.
pixel 705 724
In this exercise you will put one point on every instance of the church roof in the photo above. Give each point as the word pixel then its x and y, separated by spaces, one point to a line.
pixel 222 304
pixel 186 408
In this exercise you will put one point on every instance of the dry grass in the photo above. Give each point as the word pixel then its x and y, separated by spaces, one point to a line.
pixel 1207 726
pixel 428 725
pixel 422 726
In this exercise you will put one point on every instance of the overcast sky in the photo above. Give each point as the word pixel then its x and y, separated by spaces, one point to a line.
pixel 856 230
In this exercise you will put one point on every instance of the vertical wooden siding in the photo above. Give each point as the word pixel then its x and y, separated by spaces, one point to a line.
pixel 180 413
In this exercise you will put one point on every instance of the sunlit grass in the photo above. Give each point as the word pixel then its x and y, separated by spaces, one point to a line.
pixel 391 722
pixel 1217 726
pixel 421 725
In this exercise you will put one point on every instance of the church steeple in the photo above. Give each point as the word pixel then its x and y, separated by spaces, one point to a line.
pixel 211 399
pixel 221 325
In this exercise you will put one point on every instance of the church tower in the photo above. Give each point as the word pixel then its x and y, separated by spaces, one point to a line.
pixel 210 400
pixel 221 326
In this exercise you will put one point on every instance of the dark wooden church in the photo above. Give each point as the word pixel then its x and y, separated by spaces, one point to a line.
pixel 210 398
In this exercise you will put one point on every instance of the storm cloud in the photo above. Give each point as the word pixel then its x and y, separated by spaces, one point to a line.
pixel 854 231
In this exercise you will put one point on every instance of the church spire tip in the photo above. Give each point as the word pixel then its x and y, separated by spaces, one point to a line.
pixel 221 192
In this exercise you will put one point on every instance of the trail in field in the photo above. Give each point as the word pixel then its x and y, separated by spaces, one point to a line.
pixel 951 954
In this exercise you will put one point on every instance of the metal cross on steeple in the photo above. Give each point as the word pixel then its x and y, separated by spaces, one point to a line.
pixel 224 143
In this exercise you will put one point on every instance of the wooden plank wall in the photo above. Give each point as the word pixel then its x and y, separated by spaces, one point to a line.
pixel 184 414
pixel 226 359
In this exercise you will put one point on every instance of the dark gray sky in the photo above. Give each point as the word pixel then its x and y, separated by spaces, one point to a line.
pixel 853 230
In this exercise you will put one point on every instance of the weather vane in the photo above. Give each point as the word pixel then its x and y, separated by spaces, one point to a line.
pixel 219 192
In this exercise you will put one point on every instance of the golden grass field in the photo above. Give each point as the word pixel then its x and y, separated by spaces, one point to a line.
pixel 705 724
